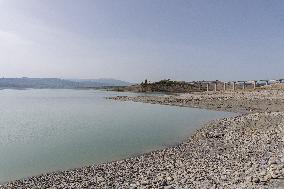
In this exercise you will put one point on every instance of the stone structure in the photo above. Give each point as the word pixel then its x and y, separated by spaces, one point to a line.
pixel 225 86
pixel 215 86
pixel 234 85
pixel 207 86
pixel 266 81
pixel 244 84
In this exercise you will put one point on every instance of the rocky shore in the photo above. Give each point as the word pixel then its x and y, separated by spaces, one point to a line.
pixel 245 151
pixel 256 101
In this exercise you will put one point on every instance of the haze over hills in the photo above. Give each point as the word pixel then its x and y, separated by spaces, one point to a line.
pixel 57 83
pixel 103 82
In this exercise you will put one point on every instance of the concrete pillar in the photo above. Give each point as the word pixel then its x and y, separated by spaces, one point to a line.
pixel 244 85
pixel 215 86
pixel 207 86
pixel 225 87
pixel 254 84
pixel 234 85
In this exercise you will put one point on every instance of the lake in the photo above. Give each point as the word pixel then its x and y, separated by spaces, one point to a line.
pixel 43 130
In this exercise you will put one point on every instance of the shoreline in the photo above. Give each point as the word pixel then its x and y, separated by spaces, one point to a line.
pixel 207 158
pixel 237 102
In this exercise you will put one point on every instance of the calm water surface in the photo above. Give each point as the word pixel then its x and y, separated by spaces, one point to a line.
pixel 45 130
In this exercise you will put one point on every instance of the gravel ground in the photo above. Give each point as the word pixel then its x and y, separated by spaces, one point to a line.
pixel 258 101
pixel 245 151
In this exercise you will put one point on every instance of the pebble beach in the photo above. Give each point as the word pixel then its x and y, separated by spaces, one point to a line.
pixel 245 151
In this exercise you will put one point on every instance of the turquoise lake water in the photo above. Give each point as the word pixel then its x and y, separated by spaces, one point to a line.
pixel 43 130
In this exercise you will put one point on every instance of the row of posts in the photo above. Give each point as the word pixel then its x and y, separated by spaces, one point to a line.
pixel 243 86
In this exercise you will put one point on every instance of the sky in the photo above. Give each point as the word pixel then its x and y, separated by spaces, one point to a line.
pixel 137 39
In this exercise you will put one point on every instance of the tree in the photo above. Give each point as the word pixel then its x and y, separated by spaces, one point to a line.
pixel 146 81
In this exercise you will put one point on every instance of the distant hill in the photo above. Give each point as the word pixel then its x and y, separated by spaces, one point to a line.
pixel 56 83
pixel 38 83
pixel 102 82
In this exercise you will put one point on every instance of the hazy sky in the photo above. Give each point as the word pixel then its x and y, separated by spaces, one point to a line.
pixel 137 39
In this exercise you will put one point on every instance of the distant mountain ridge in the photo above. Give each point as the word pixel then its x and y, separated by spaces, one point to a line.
pixel 103 81
pixel 57 83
